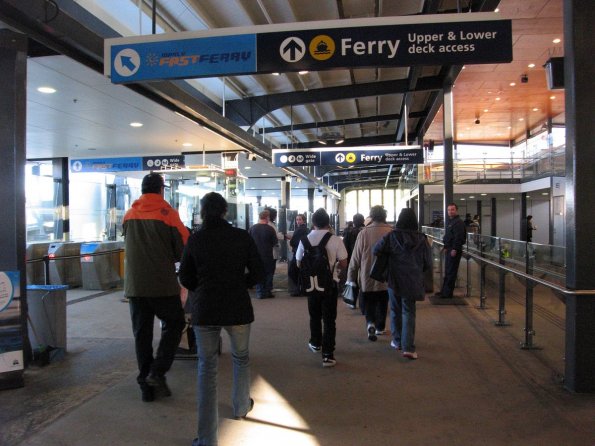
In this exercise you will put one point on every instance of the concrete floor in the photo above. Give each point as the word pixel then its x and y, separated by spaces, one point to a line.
pixel 471 386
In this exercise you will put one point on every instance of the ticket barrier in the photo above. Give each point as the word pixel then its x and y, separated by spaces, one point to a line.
pixel 100 265
pixel 36 270
pixel 65 271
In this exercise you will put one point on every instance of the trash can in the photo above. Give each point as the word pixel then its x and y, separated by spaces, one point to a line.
pixel 65 271
pixel 47 316
pixel 100 265
pixel 35 270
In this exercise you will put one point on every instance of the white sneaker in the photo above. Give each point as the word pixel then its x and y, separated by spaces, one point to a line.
pixel 371 333
pixel 380 332
pixel 393 344
pixel 410 355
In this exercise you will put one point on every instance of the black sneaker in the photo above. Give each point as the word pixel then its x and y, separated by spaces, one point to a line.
pixel 372 333
pixel 313 348
pixel 328 360
pixel 147 392
pixel 159 385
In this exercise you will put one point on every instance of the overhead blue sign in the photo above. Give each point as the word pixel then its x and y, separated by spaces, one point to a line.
pixel 188 58
pixel 348 156
pixel 443 39
pixel 127 164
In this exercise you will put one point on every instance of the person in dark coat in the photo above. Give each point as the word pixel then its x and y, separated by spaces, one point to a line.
pixel 219 263
pixel 454 239
pixel 410 256
pixel 154 237
pixel 265 238
pixel 301 230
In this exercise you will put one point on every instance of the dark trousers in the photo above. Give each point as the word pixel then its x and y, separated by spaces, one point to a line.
pixel 451 269
pixel 142 312
pixel 323 312
pixel 374 306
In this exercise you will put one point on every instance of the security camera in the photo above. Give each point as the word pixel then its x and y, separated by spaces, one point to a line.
pixel 524 78
pixel 477 121
pixel 251 157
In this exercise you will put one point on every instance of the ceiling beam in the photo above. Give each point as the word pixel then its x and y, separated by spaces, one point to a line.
pixel 249 110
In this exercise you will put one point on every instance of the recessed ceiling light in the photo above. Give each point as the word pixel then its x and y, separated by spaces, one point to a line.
pixel 303 72
pixel 531 65
pixel 511 198
pixel 464 67
pixel 528 196
pixel 275 74
pixel 552 97
pixel 471 196
pixel 187 144
pixel 545 193
pixel 46 90
pixel 535 109
pixel 264 174
pixel 521 119
pixel 483 195
pixel 497 10
pixel 485 110
pixel 462 199
pixel 497 99
pixel 556 40
pixel 512 84
pixel 136 124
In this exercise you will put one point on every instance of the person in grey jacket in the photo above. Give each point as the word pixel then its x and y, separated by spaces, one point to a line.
pixel 374 294
pixel 154 239
pixel 409 256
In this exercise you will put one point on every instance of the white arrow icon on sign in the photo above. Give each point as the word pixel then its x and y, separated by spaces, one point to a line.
pixel 339 157
pixel 292 49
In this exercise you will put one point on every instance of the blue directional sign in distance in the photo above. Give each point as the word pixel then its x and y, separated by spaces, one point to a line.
pixel 184 58
pixel 128 164
pixel 347 156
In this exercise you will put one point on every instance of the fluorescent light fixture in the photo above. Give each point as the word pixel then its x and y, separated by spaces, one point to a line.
pixel 556 40
pixel 264 174
pixel 531 65
pixel 483 195
pixel 187 144
pixel 339 141
pixel 46 90
pixel 275 74
pixel 303 72
pixel 248 167
pixel 136 124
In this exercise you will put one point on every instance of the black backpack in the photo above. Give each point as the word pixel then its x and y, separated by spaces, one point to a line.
pixel 316 277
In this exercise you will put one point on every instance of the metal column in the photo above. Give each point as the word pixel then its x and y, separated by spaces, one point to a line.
pixel 448 109
pixel 61 199
pixel 579 66
pixel 13 107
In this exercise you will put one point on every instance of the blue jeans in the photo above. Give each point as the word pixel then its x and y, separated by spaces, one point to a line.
pixel 402 321
pixel 207 345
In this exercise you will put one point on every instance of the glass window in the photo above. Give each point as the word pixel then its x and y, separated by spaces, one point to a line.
pixel 375 197
pixel 350 205
pixel 389 204
pixel 363 206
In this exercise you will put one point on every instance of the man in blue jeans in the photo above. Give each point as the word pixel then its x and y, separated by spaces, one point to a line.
pixel 213 267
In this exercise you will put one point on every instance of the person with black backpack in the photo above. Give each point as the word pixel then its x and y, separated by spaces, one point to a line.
pixel 318 256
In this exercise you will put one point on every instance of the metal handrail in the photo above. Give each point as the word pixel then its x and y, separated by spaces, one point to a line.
pixel 522 274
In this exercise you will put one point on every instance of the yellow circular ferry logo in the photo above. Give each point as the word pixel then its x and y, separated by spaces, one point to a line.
pixel 350 158
pixel 322 47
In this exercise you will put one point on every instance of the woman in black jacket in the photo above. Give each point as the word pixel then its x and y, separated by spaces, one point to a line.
pixel 213 267
pixel 409 256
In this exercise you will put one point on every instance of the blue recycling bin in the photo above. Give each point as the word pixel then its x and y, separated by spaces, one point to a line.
pixel 47 316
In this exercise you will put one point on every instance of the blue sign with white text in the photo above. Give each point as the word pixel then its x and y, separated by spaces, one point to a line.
pixel 107 164
pixel 348 156
pixel 184 59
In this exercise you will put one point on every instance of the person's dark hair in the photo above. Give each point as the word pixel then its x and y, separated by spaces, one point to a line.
pixel 320 219
pixel 212 208
pixel 152 183
pixel 273 214
pixel 453 204
pixel 378 213
pixel 358 220
pixel 407 220
pixel 302 216
pixel 529 217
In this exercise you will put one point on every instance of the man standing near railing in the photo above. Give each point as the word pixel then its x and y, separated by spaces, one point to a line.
pixel 454 239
